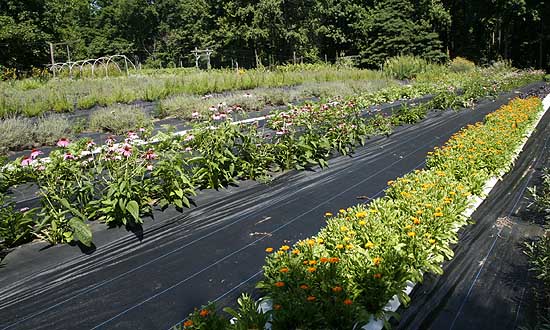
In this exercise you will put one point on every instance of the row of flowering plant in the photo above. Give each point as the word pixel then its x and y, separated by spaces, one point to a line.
pixel 365 254
pixel 121 181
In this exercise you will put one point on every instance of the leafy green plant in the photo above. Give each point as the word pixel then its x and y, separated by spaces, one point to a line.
pixel 249 315
pixel 405 66
pixel 460 64
pixel 541 196
pixel 118 119
pixel 16 226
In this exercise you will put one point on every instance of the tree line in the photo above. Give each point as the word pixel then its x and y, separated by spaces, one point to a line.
pixel 164 32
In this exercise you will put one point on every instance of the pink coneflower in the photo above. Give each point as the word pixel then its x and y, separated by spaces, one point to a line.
pixel 90 144
pixel 68 156
pixel 110 140
pixel 63 142
pixel 26 161
pixel 213 109
pixel 188 149
pixel 132 135
pixel 216 117
pixel 35 153
pixel 141 129
pixel 195 115
pixel 150 154
pixel 41 168
pixel 24 209
pixel 126 150
pixel 189 137
pixel 149 167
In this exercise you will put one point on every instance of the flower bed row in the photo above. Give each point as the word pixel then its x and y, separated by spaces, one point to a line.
pixel 365 254
pixel 120 183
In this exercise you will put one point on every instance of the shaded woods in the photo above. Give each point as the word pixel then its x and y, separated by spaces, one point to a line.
pixel 163 32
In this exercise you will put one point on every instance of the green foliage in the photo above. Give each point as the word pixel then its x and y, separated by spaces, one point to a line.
pixel 405 67
pixel 249 314
pixel 119 119
pixel 15 225
pixel 541 196
pixel 459 64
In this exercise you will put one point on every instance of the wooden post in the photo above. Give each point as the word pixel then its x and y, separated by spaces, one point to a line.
pixel 325 58
pixel 51 53
pixel 208 52
pixel 294 57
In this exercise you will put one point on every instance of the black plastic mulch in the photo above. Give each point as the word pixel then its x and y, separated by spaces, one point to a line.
pixel 487 284
pixel 154 278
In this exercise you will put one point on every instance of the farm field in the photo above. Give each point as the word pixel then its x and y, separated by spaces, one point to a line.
pixel 176 248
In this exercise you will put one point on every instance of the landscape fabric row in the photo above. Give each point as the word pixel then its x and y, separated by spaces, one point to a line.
pixel 153 279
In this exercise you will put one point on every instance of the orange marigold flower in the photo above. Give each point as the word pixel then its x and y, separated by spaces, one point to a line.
pixel 377 275
pixel 284 270
pixel 376 261
pixel 204 313
pixel 312 262
pixel 285 247
pixel 349 246
pixel 304 287
pixel 305 262
pixel 390 182
pixel 311 269
pixel 323 260
pixel 415 220
pixel 337 289
pixel 348 302
pixel 310 242
pixel 279 284
pixel 295 252
pixel 269 250
pixel 411 234
pixel 333 260
pixel 188 323
pixel 277 307
pixel 311 298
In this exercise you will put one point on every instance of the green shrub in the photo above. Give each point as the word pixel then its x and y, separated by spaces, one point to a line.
pixel 119 119
pixel 460 64
pixel 405 67
pixel 22 133
pixel 49 129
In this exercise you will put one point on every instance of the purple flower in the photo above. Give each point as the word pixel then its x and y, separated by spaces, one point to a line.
pixel 63 143
pixel 189 137
pixel 149 167
pixel 150 154
pixel 26 161
pixel 126 150
pixel 68 156
pixel 35 153
pixel 110 140
pixel 90 144
pixel 132 135
pixel 195 115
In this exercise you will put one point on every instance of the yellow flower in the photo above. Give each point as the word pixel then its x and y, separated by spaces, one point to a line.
pixel 310 242
pixel 438 214
pixel 328 214
pixel 311 269
pixel 369 245
pixel 362 222
pixel 415 220
pixel 349 246
pixel 285 248
pixel 376 261
pixel 432 241
pixel 342 211
pixel 419 212
pixel 280 253
pixel 343 228
pixel 339 246
pixel 390 182
pixel 295 252
pixel 411 234
pixel 320 241
pixel 269 250
pixel 361 214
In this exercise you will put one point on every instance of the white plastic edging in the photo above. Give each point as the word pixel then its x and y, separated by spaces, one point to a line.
pixel 475 201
